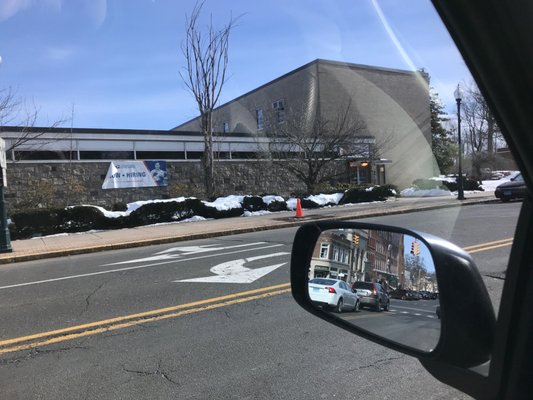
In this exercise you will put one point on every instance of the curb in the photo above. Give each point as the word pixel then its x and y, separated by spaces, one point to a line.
pixel 290 222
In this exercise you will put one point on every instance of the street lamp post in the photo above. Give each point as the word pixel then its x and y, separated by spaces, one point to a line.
pixel 458 94
pixel 5 238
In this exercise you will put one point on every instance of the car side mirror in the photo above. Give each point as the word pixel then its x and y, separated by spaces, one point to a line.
pixel 326 253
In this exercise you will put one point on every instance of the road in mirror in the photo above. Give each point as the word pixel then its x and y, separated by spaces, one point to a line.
pixel 381 281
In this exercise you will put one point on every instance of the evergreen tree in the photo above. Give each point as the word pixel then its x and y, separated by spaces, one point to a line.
pixel 444 148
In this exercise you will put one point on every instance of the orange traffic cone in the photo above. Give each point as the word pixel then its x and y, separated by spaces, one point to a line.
pixel 299 211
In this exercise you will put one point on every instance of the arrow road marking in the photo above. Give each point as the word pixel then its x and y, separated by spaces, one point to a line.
pixel 174 261
pixel 183 251
pixel 235 272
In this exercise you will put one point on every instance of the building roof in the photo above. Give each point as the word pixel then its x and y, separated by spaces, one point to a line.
pixel 341 64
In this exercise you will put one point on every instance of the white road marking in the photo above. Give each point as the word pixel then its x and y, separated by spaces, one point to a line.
pixel 63 278
pixel 183 252
pixel 205 248
pixel 234 271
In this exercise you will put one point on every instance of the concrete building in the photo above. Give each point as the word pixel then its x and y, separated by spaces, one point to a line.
pixel 332 257
pixel 386 258
pixel 82 144
pixel 393 105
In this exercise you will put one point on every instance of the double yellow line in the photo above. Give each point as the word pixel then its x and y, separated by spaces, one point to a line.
pixel 488 246
pixel 113 324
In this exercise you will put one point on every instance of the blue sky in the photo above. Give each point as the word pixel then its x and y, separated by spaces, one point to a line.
pixel 116 63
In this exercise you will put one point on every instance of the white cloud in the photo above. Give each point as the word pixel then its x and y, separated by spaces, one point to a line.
pixel 96 11
pixel 9 8
pixel 59 54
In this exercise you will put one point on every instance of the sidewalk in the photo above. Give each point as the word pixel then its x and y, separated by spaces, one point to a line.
pixel 88 242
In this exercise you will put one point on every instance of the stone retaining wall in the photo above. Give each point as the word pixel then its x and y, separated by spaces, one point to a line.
pixel 70 183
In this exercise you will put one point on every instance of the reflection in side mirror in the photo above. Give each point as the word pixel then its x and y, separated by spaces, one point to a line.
pixel 380 281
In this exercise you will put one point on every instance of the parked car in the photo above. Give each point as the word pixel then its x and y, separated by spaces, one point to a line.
pixel 514 189
pixel 401 294
pixel 415 295
pixel 335 293
pixel 372 295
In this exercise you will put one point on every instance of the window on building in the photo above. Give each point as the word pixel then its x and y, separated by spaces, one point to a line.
pixel 260 119
pixel 279 109
pixel 43 155
pixel 106 155
pixel 336 253
pixel 344 256
pixel 324 248
pixel 225 127
pixel 160 155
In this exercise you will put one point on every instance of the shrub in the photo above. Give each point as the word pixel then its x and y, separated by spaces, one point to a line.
pixel 383 192
pixel 119 207
pixel 253 203
pixel 428 184
pixel 36 222
pixel 206 211
pixel 468 184
pixel 363 194
pixel 356 195
pixel 80 218
pixel 275 206
pixel 168 211
pixel 306 203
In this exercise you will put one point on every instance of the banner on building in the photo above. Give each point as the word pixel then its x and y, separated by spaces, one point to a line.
pixel 132 174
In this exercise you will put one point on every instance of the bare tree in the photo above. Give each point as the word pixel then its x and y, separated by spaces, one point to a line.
pixel 306 146
pixel 206 55
pixel 481 129
pixel 16 112
pixel 9 105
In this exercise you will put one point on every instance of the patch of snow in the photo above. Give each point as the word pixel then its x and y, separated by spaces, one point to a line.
pixel 414 192
pixel 490 185
pixel 133 206
pixel 110 214
pixel 255 213
pixel 270 199
pixel 196 218
pixel 443 178
pixel 49 236
pixel 323 199
pixel 226 203
pixel 136 204
pixel 291 204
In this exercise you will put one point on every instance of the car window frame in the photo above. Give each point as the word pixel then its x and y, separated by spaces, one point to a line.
pixel 499 61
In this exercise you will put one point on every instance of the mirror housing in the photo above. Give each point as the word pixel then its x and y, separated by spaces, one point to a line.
pixel 466 337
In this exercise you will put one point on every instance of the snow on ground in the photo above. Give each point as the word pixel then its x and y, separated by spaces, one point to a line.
pixel 488 186
pixel 492 184
pixel 415 192
pixel 291 203
pixel 234 201
pixel 323 199
pixel 270 199
pixel 226 203
pixel 255 213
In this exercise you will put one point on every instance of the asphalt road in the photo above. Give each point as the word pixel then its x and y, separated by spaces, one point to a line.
pixel 411 323
pixel 164 322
